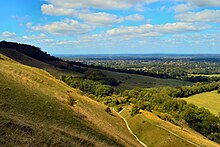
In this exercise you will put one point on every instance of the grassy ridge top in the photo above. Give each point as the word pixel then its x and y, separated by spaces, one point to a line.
pixel 34 111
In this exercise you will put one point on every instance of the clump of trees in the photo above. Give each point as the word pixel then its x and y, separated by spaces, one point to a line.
pixel 89 86
pixel 187 91
pixel 97 75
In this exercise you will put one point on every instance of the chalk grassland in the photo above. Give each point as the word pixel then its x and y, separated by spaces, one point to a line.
pixel 208 100
pixel 34 112
pixel 130 81
pixel 155 132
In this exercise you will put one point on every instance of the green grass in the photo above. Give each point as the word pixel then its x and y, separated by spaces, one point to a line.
pixel 34 112
pixel 130 81
pixel 208 100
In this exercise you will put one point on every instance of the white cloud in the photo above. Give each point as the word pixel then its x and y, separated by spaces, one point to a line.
pixel 100 4
pixel 8 35
pixel 203 3
pixel 159 29
pixel 143 31
pixel 28 25
pixel 100 18
pixel 183 7
pixel 41 38
pixel 51 10
pixel 203 16
pixel 35 37
pixel 135 17
pixel 64 28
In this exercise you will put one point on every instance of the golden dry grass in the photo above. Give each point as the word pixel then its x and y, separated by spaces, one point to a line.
pixel 90 111
pixel 149 128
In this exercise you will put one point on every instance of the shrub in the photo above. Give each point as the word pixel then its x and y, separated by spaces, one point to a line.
pixel 108 110
pixel 118 108
pixel 218 90
pixel 71 101
pixel 135 110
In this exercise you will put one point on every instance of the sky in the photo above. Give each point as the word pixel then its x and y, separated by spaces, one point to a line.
pixel 113 26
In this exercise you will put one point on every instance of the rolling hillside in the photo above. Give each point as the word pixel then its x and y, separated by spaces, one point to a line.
pixel 130 81
pixel 57 67
pixel 156 132
pixel 34 112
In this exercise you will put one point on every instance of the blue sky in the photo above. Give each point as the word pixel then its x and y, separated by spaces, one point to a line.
pixel 113 26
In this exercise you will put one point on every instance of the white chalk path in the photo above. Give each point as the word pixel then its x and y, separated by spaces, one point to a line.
pixel 156 126
pixel 129 129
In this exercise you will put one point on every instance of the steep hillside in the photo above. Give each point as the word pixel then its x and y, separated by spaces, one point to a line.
pixel 34 111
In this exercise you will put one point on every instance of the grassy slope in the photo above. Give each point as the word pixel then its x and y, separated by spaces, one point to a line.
pixel 130 81
pixel 145 126
pixel 24 59
pixel 208 100
pixel 34 112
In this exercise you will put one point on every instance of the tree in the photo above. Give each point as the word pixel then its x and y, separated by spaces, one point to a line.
pixel 104 90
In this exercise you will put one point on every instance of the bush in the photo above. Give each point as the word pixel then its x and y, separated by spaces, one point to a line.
pixel 214 137
pixel 218 90
pixel 108 110
pixel 135 110
pixel 71 101
pixel 118 108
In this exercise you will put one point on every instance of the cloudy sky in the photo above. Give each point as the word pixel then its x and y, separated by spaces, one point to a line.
pixel 113 26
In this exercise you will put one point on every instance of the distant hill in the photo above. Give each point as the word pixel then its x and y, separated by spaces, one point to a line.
pixel 29 50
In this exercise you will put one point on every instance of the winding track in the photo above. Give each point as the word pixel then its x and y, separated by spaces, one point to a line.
pixel 156 126
pixel 129 129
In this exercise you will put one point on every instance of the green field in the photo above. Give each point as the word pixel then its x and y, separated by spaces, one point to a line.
pixel 208 100
pixel 34 112
pixel 130 81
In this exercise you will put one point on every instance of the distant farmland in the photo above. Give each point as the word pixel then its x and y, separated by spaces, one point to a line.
pixel 208 100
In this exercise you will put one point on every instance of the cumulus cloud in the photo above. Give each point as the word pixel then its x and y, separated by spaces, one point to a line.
pixel 8 35
pixel 158 29
pixel 49 9
pixel 41 38
pixel 202 3
pixel 203 16
pixel 100 18
pixel 99 4
pixel 135 17
pixel 183 7
pixel 64 28
pixel 144 31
